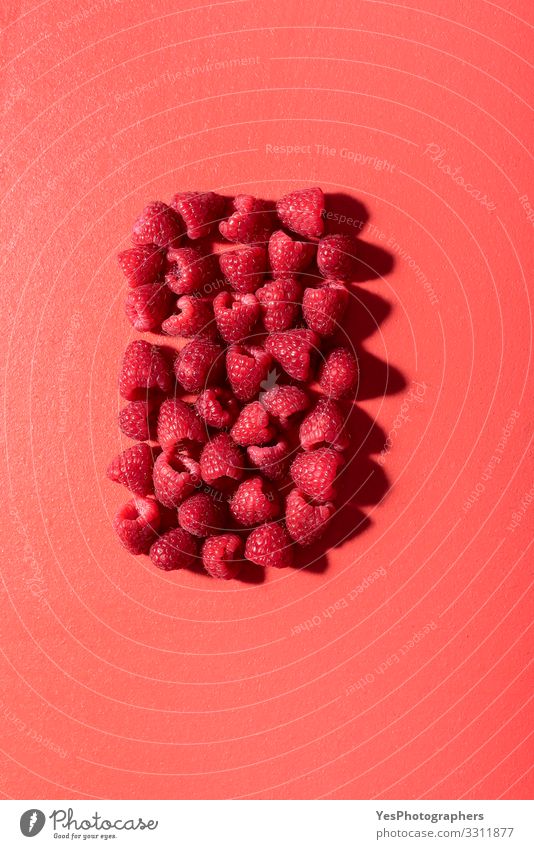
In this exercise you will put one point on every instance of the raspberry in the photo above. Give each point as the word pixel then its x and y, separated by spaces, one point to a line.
pixel 247 367
pixel 200 211
pixel 202 515
pixel 269 545
pixel 143 368
pixel 193 316
pixel 324 307
pixel 253 426
pixel 221 461
pixel 287 256
pixel 190 270
pixel 199 364
pixel 253 502
pixel 133 469
pixel 293 349
pixel 138 419
pixel 175 476
pixel 217 406
pixel 336 256
pixel 178 424
pixel 222 555
pixel 272 460
pixel 235 315
pixel 244 268
pixel 147 306
pixel 285 403
pixel 302 212
pixel 280 304
pixel 158 224
pixel 136 524
pixel 323 427
pixel 252 221
pixel 315 472
pixel 338 375
pixel 142 265
pixel 175 549
pixel 306 522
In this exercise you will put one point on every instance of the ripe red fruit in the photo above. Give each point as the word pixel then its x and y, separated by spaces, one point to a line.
pixel 253 426
pixel 193 316
pixel 302 211
pixel 136 524
pixel 251 221
pixel 138 419
pixel 314 472
pixel 144 368
pixel 269 545
pixel 235 315
pixel 280 303
pixel 221 461
pixel 338 374
pixel 272 460
pixel 142 264
pixel 217 407
pixel 324 307
pixel 244 268
pixel 201 211
pixel 254 502
pixel 288 256
pixel 190 271
pixel 202 515
pixel 285 402
pixel 247 367
pixel 294 350
pixel 199 364
pixel 133 469
pixel 222 555
pixel 306 522
pixel 147 306
pixel 175 477
pixel 175 549
pixel 336 256
pixel 158 224
pixel 324 426
pixel 178 424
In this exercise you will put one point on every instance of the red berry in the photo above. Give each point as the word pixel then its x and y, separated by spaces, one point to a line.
pixel 175 477
pixel 142 264
pixel 217 406
pixel 143 368
pixel 272 460
pixel 221 461
pixel 190 270
pixel 244 268
pixel 253 502
pixel 269 545
pixel 253 426
pixel 147 306
pixel 178 424
pixel 136 524
pixel 324 307
pixel 323 427
pixel 287 256
pixel 138 419
pixel 338 375
pixel 235 315
pixel 293 349
pixel 280 303
pixel 247 367
pixel 252 221
pixel 199 364
pixel 193 316
pixel 222 555
pixel 302 212
pixel 176 549
pixel 133 469
pixel 158 224
pixel 202 515
pixel 285 403
pixel 315 472
pixel 336 256
pixel 306 522
pixel 200 211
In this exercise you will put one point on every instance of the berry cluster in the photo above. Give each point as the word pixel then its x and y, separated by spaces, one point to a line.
pixel 239 432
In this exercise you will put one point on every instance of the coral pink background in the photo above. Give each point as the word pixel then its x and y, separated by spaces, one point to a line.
pixel 119 681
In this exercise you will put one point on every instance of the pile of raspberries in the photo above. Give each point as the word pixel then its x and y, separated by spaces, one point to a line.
pixel 239 433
